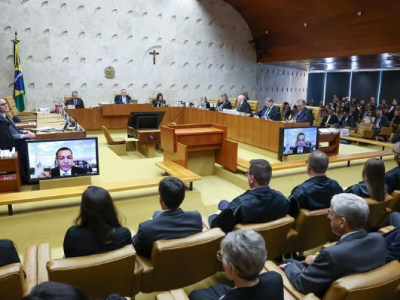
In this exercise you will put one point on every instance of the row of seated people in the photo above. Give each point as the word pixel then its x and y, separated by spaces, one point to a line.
pixel 98 229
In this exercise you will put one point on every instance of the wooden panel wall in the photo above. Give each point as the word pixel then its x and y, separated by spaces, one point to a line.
pixel 333 27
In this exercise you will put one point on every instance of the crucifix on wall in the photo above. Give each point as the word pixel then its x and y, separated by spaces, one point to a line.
pixel 154 53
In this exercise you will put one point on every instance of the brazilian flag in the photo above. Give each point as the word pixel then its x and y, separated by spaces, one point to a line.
pixel 19 86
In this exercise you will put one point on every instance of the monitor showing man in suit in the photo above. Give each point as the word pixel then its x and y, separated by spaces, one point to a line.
pixel 76 101
pixel 124 98
pixel 299 140
pixel 64 159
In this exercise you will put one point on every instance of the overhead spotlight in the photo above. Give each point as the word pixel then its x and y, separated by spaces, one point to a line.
pixel 266 32
pixel 305 24
pixel 359 13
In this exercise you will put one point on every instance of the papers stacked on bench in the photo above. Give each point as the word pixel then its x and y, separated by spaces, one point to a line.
pixel 328 130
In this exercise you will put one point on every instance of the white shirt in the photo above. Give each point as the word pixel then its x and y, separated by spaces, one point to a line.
pixel 67 173
pixel 123 99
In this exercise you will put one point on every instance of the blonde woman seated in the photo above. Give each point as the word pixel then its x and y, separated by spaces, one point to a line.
pixel 243 255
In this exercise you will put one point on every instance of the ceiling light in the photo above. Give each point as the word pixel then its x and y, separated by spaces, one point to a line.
pixel 266 32
pixel 359 13
pixel 305 24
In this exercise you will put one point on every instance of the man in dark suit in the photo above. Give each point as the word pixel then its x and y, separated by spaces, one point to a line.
pixel 380 121
pixel 356 252
pixel 269 111
pixel 346 121
pixel 354 113
pixel 243 106
pixel 392 108
pixel 64 159
pixel 392 238
pixel 258 205
pixel 170 223
pixel 123 98
pixel 303 114
pixel 317 191
pixel 224 102
pixel 78 102
pixel 329 120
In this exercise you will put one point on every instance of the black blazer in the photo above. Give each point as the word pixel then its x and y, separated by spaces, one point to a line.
pixel 333 120
pixel 359 189
pixel 226 104
pixel 155 103
pixel 392 240
pixel 8 253
pixel 80 241
pixel 269 287
pixel 313 194
pixel 356 253
pixel 118 99
pixel 55 172
pixel 274 114
pixel 305 150
pixel 259 205
pixel 384 122
pixel 304 116
pixel 79 103
pixel 245 107
pixel 350 122
pixel 392 180
pixel 171 224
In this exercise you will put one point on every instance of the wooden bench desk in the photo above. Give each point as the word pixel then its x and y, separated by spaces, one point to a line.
pixel 178 171
pixel 366 141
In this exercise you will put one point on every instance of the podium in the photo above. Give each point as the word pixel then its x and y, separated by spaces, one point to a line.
pixel 198 147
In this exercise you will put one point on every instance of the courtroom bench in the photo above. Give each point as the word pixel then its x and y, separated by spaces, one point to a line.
pixel 244 164
pixel 62 193
pixel 366 141
pixel 173 169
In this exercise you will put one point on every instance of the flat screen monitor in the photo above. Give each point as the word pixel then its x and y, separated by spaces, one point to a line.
pixel 146 119
pixel 62 158
pixel 298 140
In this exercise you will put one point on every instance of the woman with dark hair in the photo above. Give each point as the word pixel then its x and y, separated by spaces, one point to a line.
pixel 55 291
pixel 97 228
pixel 159 101
pixel 373 184
pixel 392 178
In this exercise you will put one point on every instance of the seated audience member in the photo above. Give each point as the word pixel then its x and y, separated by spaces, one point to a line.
pixel 78 102
pixel 243 106
pixel 338 112
pixel 354 113
pixel 392 108
pixel 392 238
pixel 258 205
pixel 396 138
pixel 392 178
pixel 372 103
pixel 287 112
pixel 294 111
pixel 300 147
pixel 385 112
pixel 224 102
pixel 373 184
pixel 311 103
pixel 50 290
pixel 369 117
pixel 243 255
pixel 170 223
pixel 316 192
pixel 246 95
pixel 346 121
pixel 303 114
pixel 159 101
pixel 356 252
pixel 321 103
pixel 8 253
pixel 380 121
pixel 65 167
pixel 97 228
pixel 395 120
pixel 123 98
pixel 204 104
pixel 329 120
pixel 269 111
pixel 8 124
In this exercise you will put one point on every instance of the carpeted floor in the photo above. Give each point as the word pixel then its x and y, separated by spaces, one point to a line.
pixel 47 222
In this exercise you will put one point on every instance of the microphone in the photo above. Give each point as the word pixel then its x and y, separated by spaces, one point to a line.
pixel 183 108
pixel 273 115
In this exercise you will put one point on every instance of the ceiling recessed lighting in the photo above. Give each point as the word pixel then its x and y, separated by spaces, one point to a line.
pixel 266 32
pixel 359 13
pixel 305 24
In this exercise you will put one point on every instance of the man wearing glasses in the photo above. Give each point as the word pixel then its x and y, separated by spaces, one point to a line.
pixel 16 133
pixel 258 205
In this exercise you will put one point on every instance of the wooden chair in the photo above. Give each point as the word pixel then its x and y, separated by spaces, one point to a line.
pixel 364 130
pixel 13 111
pixel 385 132
pixel 377 211
pixel 117 145
pixel 233 102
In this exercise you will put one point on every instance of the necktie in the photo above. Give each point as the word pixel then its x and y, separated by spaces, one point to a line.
pixel 75 101
pixel 266 113
pixel 297 114
pixel 327 121
pixel 377 122
pixel 65 174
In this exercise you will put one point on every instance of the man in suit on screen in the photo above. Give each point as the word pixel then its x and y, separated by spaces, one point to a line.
pixel 269 111
pixel 65 158
pixel 123 98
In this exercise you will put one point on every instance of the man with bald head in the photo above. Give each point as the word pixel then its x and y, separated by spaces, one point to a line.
pixel 243 106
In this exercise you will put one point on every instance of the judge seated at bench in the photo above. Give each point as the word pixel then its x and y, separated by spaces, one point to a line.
pixel 258 205
pixel 159 101
pixel 269 111
pixel 224 102
pixel 78 102
pixel 64 159
pixel 123 98
pixel 243 106
pixel 303 114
